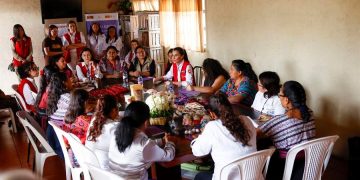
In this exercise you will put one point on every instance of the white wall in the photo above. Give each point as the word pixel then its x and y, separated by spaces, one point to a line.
pixel 316 42
pixel 28 14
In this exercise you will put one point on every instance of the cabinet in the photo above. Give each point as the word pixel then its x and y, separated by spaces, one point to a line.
pixel 145 27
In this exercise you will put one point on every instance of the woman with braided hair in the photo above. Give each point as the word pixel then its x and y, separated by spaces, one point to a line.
pixel 226 137
pixel 101 129
pixel 297 125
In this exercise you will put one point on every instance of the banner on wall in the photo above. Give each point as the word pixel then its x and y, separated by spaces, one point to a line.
pixel 104 19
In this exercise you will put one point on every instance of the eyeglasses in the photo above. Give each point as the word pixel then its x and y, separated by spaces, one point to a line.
pixel 281 95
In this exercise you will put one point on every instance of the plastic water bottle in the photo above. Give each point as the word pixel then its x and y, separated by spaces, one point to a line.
pixel 88 73
pixel 170 87
pixel 125 79
pixel 140 80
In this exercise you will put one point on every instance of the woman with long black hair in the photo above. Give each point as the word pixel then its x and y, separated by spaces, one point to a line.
pixel 215 77
pixel 102 128
pixel 112 39
pixel 226 137
pixel 297 125
pixel 52 44
pixel 181 72
pixel 131 152
pixel 57 105
pixel 97 41
pixel 21 46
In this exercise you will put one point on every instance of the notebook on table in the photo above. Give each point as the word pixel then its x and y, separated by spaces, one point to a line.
pixel 154 132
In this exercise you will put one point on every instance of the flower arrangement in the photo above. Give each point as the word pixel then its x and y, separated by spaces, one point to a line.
pixel 161 107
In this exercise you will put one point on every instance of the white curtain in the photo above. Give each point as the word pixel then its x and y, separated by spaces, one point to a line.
pixel 145 5
pixel 181 24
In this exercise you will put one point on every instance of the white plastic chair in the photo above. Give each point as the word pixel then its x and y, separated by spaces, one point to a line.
pixel 44 150
pixel 19 98
pixel 71 171
pixel 317 155
pixel 100 174
pixel 8 115
pixel 251 166
pixel 83 154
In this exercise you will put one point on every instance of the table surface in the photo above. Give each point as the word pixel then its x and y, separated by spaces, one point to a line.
pixel 183 150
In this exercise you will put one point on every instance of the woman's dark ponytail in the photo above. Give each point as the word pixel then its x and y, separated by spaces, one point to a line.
pixel 136 114
pixel 296 94
pixel 124 133
pixel 245 68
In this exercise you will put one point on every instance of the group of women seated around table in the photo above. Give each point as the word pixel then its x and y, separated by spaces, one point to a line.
pixel 121 145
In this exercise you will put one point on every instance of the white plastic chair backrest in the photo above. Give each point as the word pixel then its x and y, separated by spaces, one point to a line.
pixel 31 131
pixel 317 154
pixel 100 174
pixel 250 166
pixel 32 121
pixel 19 97
pixel 60 135
pixel 83 154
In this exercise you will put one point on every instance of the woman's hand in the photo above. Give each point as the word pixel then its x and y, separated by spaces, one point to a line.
pixel 189 88
pixel 168 138
pixel 177 83
pixel 155 80
pixel 136 73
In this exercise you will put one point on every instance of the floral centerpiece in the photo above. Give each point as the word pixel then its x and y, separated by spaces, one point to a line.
pixel 161 107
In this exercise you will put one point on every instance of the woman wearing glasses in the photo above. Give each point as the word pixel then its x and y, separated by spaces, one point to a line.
pixel 297 125
pixel 266 99
pixel 143 65
pixel 27 87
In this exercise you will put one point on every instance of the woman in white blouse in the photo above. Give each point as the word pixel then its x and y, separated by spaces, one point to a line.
pixel 131 152
pixel 226 138
pixel 266 100
pixel 102 128
pixel 112 39
pixel 97 41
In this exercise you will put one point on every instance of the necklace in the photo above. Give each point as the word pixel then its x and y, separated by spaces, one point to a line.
pixel 264 105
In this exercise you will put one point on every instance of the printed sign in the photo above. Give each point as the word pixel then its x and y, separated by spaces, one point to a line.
pixel 104 19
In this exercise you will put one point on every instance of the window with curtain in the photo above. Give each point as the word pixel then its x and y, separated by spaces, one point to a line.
pixel 145 5
pixel 182 24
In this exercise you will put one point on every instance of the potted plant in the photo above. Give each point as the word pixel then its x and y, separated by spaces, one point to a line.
pixel 122 6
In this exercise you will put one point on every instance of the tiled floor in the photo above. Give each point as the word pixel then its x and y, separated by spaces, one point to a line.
pixel 13 155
